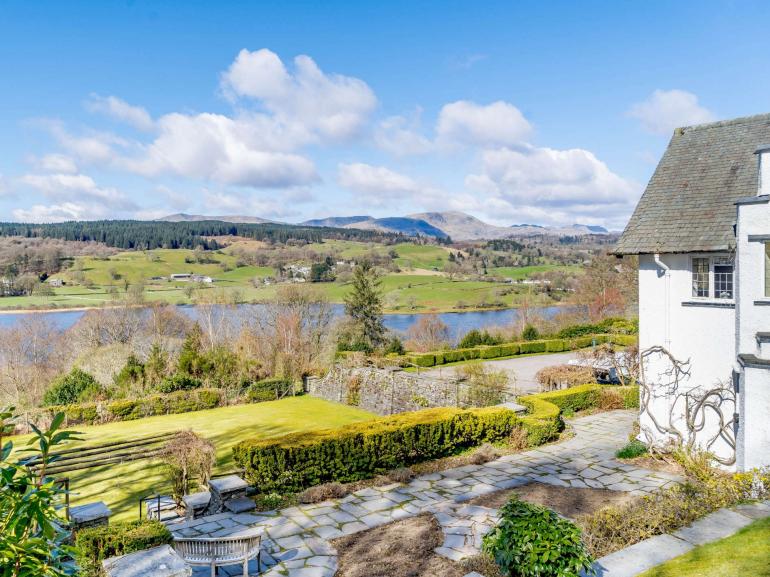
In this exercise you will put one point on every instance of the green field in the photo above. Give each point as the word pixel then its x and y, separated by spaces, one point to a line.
pixel 418 288
pixel 747 553
pixel 121 486
pixel 523 272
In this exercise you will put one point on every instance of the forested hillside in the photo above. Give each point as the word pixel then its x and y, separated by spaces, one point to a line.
pixel 147 235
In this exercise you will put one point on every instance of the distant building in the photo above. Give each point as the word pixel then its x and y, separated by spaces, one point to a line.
pixel 55 282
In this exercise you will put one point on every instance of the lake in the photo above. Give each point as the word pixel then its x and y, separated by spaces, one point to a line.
pixel 458 323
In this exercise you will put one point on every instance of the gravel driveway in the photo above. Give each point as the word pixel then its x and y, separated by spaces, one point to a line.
pixel 523 369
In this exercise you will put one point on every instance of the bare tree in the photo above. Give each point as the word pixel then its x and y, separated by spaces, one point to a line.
pixel 429 333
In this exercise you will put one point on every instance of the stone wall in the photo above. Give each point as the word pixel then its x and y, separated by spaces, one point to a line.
pixel 387 391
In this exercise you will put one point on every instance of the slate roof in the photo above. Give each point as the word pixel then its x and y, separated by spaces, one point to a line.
pixel 689 203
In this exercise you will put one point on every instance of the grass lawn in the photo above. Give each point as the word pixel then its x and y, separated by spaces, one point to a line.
pixel 121 486
pixel 524 272
pixel 747 553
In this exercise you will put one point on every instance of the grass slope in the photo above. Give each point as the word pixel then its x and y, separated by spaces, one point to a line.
pixel 747 553
pixel 121 486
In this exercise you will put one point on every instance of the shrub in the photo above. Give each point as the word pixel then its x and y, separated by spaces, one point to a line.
pixel 530 333
pixel 97 543
pixel 564 376
pixel 475 338
pixel 484 454
pixel 632 450
pixel 401 475
pixel 321 493
pixel 394 346
pixel 669 509
pixel 617 397
pixel 531 540
pixel 361 450
pixel 179 382
pixel 187 457
pixel 485 387
pixel 76 386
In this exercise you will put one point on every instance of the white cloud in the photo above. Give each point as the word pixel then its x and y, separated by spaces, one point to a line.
pixel 76 188
pixel 121 110
pixel 376 182
pixel 496 124
pixel 222 149
pixel 61 212
pixel 91 148
pixel 551 186
pixel 665 110
pixel 331 105
pixel 400 136
pixel 60 163
pixel 275 207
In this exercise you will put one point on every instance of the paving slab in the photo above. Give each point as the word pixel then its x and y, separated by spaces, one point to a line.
pixel 641 556
pixel 712 527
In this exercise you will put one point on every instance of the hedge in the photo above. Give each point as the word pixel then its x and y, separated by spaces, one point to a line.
pixel 435 358
pixel 361 450
pixel 97 543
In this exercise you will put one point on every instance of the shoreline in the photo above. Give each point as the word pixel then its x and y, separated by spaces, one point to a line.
pixel 387 312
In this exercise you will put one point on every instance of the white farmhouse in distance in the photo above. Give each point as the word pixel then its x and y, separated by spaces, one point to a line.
pixel 702 233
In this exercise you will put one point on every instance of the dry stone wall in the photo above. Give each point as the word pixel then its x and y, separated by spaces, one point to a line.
pixel 386 391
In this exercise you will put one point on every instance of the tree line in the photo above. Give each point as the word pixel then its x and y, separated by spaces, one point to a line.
pixel 148 235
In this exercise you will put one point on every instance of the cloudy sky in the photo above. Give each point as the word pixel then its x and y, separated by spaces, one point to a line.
pixel 541 112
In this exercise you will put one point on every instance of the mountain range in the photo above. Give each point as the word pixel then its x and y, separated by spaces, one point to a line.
pixel 457 225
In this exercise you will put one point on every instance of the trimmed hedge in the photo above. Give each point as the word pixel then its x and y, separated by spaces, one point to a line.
pixel 435 358
pixel 130 409
pixel 97 543
pixel 361 450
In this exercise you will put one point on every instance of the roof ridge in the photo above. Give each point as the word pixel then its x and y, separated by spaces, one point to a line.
pixel 721 123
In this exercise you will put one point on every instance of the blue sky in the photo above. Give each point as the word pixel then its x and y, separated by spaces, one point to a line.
pixel 543 112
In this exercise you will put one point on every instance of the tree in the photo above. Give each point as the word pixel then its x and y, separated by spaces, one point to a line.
pixel 364 306
pixel 32 538
pixel 74 387
pixel 187 457
pixel 429 333
pixel 190 356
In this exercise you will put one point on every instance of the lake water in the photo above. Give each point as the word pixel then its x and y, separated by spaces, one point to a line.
pixel 458 323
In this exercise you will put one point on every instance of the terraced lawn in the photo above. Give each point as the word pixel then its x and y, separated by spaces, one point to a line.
pixel 121 486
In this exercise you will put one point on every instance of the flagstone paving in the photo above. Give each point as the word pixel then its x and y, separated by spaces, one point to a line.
pixel 296 541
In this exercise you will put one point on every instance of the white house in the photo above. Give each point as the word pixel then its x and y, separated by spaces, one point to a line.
pixel 702 233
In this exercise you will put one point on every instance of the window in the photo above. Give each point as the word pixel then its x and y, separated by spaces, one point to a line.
pixel 767 269
pixel 723 278
pixel 716 272
pixel 700 277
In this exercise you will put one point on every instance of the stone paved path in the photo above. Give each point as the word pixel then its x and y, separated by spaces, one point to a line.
pixel 296 540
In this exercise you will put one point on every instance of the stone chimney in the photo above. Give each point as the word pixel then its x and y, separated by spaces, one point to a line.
pixel 763 169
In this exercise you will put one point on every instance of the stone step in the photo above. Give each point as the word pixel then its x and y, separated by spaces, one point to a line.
pixel 240 505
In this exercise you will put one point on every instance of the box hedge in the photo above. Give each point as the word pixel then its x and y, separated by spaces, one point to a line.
pixel 269 390
pixel 94 544
pixel 361 450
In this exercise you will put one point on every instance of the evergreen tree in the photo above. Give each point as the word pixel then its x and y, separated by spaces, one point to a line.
pixel 364 306
pixel 190 355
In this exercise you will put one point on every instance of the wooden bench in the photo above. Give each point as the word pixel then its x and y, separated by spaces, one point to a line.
pixel 218 551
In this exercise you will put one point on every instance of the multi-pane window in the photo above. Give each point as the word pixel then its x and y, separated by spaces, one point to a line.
pixel 700 277
pixel 723 278
pixel 713 277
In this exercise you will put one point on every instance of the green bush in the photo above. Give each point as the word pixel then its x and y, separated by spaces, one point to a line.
pixel 574 399
pixel 532 541
pixel 632 450
pixel 76 386
pixel 530 333
pixel 97 543
pixel 556 346
pixel 179 382
pixel 85 413
pixel 476 337
pixel 268 390
pixel 361 450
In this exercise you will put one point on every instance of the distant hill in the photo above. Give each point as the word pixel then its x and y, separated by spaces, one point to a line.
pixel 182 217
pixel 337 221
pixel 454 224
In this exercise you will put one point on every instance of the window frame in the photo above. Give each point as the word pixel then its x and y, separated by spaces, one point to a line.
pixel 713 262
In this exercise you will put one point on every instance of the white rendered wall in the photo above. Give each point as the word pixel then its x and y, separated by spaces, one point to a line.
pixel 702 334
pixel 753 448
